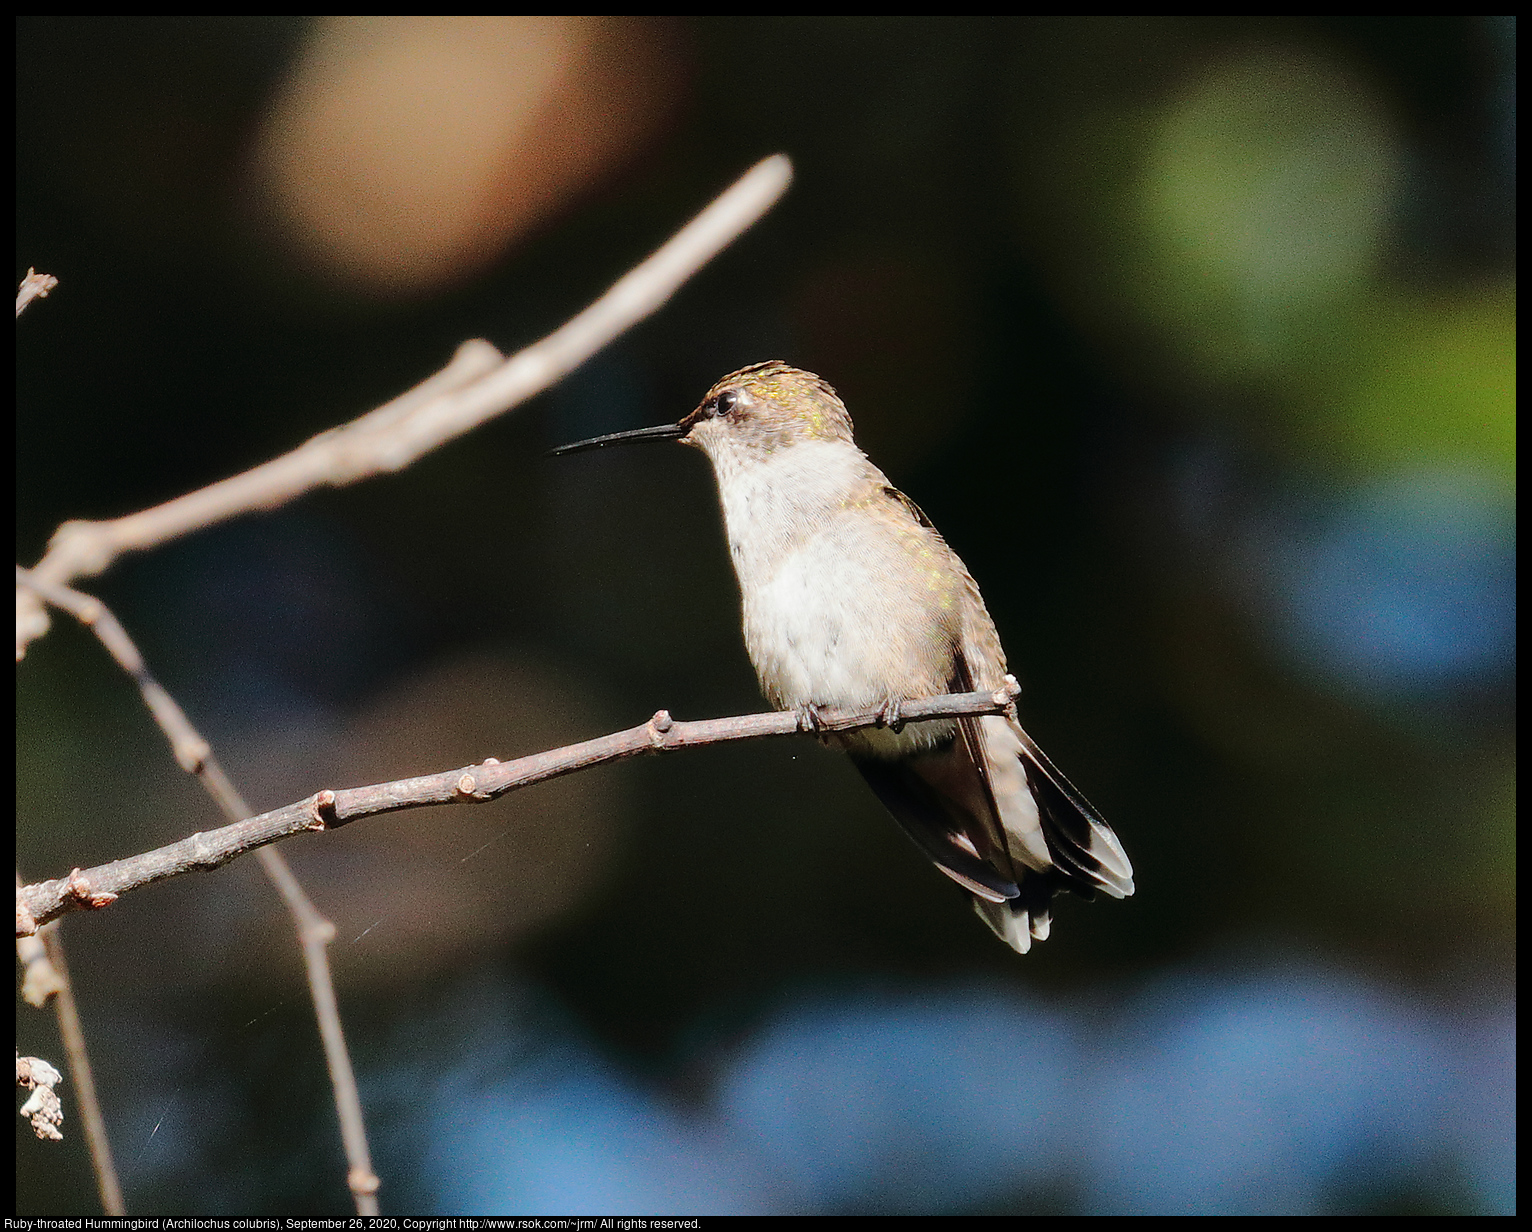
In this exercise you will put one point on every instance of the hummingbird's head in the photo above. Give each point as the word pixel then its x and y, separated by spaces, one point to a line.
pixel 763 409
pixel 750 414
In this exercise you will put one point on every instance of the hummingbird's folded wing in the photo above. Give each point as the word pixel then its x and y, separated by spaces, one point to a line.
pixel 1081 843
pixel 1049 836
pixel 1008 824
pixel 936 822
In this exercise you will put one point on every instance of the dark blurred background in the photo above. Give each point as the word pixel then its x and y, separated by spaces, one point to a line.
pixel 1196 339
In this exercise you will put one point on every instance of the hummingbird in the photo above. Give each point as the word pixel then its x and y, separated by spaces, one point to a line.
pixel 852 599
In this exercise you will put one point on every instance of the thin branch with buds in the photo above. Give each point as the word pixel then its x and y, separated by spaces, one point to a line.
pixel 46 978
pixel 330 809
pixel 194 754
pixel 478 384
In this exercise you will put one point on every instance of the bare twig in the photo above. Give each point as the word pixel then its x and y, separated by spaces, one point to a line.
pixel 34 286
pixel 85 1097
pixel 47 978
pixel 39 980
pixel 329 809
pixel 315 932
pixel 476 386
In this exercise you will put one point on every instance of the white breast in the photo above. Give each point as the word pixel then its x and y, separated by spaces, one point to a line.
pixel 839 609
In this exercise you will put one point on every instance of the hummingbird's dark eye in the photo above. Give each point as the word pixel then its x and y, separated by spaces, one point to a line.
pixel 724 403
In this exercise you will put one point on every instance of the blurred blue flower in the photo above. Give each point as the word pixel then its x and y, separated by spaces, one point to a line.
pixel 1407 585
pixel 914 1103
pixel 588 1142
pixel 1256 1096
pixel 1400 588
pixel 1284 1091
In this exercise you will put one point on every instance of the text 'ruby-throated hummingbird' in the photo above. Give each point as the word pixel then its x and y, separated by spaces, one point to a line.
pixel 853 600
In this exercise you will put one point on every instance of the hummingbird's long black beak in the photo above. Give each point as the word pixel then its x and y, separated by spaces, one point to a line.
pixel 664 432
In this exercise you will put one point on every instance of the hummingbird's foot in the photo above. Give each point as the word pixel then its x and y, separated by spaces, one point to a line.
pixel 890 716
pixel 812 719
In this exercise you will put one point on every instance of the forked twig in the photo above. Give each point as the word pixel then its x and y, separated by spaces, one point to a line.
pixel 475 386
